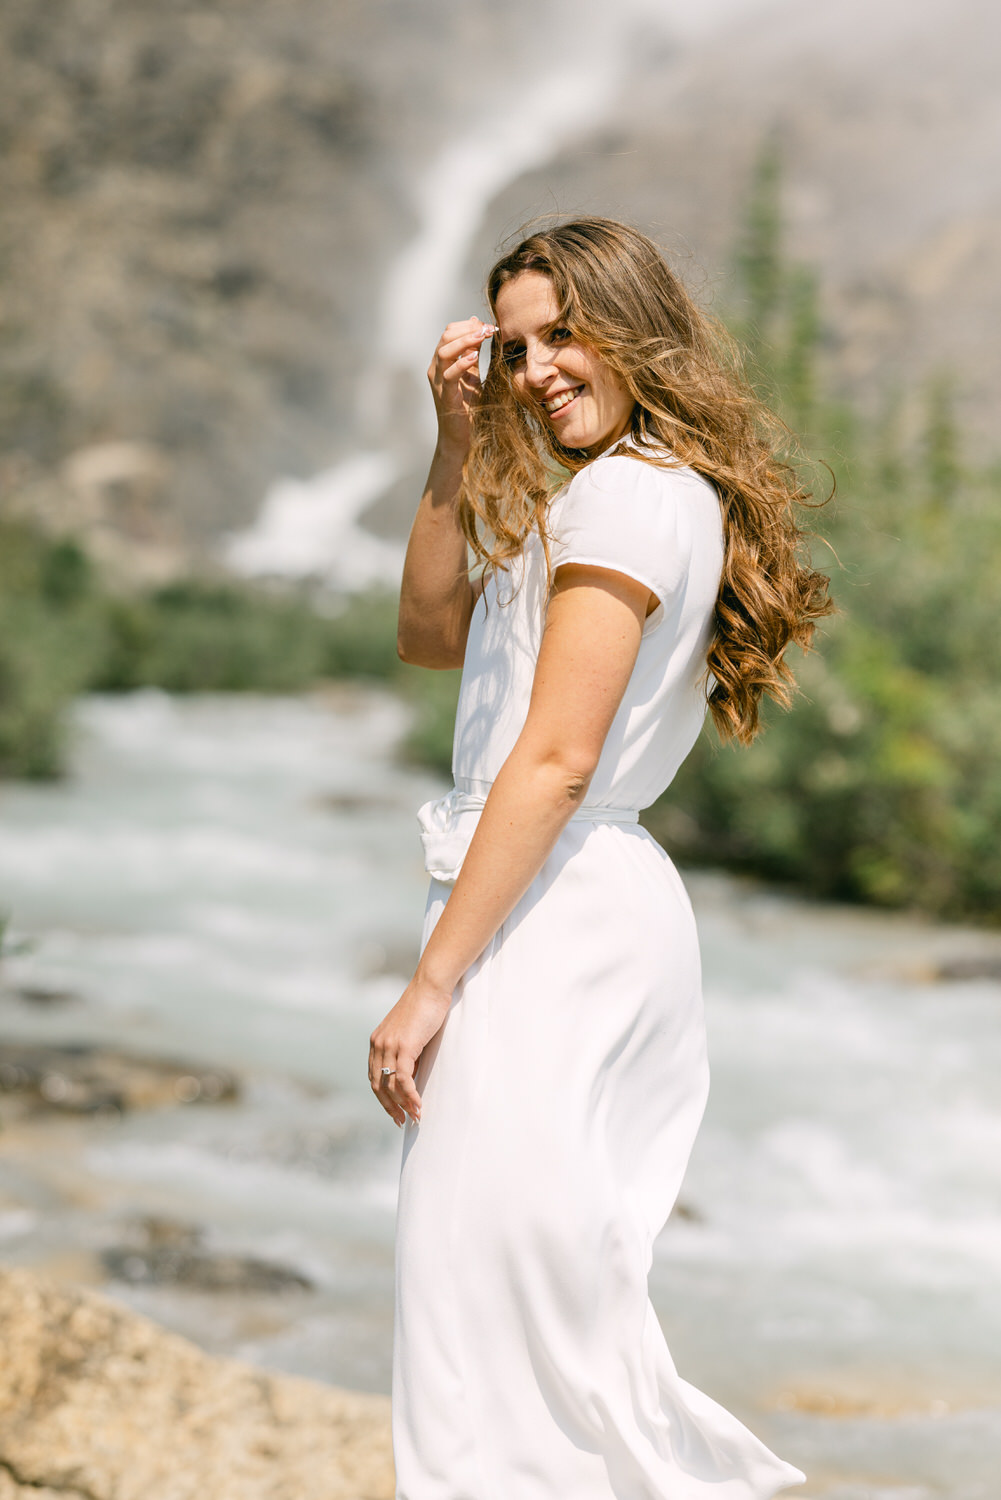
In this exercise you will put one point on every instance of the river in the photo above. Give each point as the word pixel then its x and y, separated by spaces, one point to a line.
pixel 237 881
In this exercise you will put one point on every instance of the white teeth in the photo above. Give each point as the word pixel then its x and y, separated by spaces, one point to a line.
pixel 562 399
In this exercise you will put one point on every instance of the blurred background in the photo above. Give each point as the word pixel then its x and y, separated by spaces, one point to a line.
pixel 230 234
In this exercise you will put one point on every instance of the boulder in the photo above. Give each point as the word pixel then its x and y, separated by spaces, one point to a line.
pixel 970 966
pixel 99 1403
pixel 80 1078
pixel 164 1252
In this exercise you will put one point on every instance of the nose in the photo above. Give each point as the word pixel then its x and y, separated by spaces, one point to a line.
pixel 539 365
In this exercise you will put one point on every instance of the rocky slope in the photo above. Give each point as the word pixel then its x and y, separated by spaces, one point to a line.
pixel 97 1403
pixel 178 268
pixel 199 203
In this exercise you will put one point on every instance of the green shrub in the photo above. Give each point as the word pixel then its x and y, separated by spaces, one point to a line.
pixel 196 636
pixel 49 640
pixel 434 696
pixel 62 633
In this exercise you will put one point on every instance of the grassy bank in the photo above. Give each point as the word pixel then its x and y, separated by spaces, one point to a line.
pixel 63 632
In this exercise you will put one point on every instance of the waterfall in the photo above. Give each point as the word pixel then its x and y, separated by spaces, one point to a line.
pixel 315 527
pixel 309 529
pixel 312 528
pixel 454 197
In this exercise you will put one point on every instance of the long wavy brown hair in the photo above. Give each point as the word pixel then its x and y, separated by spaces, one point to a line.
pixel 684 372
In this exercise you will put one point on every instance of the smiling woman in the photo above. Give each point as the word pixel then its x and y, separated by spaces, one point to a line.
pixel 548 1056
pixel 587 403
pixel 624 321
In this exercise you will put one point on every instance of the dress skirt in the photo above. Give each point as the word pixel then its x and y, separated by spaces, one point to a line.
pixel 561 1098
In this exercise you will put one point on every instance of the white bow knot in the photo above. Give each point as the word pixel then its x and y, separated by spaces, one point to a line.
pixel 447 825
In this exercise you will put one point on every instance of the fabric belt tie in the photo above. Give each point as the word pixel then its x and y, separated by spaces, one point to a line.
pixel 448 824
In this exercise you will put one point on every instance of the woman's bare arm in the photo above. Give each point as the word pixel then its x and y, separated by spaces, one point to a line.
pixel 593 630
pixel 436 595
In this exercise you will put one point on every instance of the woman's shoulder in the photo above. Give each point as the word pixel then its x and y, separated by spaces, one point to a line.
pixel 641 470
pixel 646 519
pixel 626 485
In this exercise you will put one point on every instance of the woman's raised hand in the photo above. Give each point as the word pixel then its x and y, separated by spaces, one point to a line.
pixel 455 381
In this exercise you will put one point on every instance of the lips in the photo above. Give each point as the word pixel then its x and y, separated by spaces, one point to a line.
pixel 561 402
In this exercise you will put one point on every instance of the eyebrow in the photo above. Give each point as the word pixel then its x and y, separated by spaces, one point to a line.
pixel 559 322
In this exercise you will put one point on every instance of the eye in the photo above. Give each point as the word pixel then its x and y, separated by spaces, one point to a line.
pixel 513 354
pixel 560 335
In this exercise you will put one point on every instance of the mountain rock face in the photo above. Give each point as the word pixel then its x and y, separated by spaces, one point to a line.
pixel 203 204
pixel 192 198
pixel 97 1403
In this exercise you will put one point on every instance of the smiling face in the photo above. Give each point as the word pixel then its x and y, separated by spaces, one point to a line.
pixel 581 399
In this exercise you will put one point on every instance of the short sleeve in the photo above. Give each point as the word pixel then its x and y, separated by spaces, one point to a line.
pixel 630 516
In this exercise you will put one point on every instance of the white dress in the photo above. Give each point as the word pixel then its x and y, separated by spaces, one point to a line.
pixel 563 1093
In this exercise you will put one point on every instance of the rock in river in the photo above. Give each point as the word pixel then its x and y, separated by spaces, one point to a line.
pixel 84 1079
pixel 161 1252
pixel 98 1403
pixel 970 966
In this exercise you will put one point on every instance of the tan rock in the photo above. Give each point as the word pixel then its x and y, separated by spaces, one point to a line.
pixel 100 1403
pixel 11 1490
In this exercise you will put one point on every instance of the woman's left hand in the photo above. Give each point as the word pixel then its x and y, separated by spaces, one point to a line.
pixel 398 1041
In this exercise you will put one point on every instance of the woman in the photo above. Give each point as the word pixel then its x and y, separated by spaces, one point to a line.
pixel 548 1056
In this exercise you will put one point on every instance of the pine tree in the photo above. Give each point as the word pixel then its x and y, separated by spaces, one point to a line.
pixel 941 444
pixel 759 255
pixel 802 343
